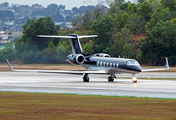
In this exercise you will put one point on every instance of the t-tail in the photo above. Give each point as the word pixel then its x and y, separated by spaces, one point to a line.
pixel 76 46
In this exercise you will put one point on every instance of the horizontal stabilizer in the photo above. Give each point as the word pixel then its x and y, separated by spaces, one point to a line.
pixel 88 36
pixel 52 36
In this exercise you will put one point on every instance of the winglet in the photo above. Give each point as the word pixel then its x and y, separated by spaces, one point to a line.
pixel 9 64
pixel 167 64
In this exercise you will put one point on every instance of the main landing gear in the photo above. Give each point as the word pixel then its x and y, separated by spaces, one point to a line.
pixel 111 78
pixel 86 78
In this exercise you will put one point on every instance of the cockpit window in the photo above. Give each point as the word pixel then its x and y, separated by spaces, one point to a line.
pixel 132 63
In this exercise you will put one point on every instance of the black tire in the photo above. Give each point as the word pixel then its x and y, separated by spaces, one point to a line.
pixel 110 79
pixel 134 81
pixel 85 79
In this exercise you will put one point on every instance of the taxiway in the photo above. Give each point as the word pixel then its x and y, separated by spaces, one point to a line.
pixel 98 85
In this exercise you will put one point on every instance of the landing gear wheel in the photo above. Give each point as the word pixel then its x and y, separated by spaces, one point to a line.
pixel 110 79
pixel 86 78
pixel 134 80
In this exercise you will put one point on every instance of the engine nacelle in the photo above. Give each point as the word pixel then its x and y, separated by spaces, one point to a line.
pixel 101 55
pixel 76 59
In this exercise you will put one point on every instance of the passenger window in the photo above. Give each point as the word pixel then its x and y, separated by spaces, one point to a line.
pixel 98 63
pixel 117 65
pixel 101 63
pixel 104 63
pixel 110 64
pixel 113 64
pixel 107 63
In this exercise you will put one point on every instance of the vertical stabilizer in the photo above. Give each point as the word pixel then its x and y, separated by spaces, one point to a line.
pixel 76 46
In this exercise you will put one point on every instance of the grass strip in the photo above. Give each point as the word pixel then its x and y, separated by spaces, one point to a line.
pixel 17 106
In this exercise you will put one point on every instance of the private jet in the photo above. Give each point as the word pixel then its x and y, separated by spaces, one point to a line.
pixel 99 63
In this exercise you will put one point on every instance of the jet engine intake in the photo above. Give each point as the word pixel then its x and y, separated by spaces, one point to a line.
pixel 77 59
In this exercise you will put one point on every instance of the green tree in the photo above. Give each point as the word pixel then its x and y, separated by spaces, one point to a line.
pixel 144 10
pixel 160 43
pixel 103 27
pixel 161 14
pixel 62 52
pixel 8 52
pixel 149 25
pixel 128 51
pixel 172 5
pixel 141 1
pixel 136 24
pixel 124 19
pixel 117 20
pixel 51 44
pixel 173 20
pixel 132 8
pixel 121 44
pixel 166 3
pixel 88 49
pixel 41 26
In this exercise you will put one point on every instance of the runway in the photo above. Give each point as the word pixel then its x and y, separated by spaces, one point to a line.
pixel 98 85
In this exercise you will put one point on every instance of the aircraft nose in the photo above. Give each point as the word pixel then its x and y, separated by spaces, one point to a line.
pixel 138 68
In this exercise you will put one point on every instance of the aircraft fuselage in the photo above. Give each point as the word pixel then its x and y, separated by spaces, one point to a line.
pixel 112 65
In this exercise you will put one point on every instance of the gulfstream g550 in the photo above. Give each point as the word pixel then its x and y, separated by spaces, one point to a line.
pixel 99 63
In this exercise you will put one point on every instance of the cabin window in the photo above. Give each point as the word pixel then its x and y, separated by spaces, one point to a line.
pixel 98 63
pixel 107 64
pixel 104 63
pixel 114 64
pixel 101 63
pixel 117 65
pixel 110 64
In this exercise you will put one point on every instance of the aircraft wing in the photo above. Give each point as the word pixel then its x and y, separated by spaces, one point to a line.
pixel 58 71
pixel 159 69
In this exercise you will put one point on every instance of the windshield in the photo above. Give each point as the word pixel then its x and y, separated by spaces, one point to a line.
pixel 132 63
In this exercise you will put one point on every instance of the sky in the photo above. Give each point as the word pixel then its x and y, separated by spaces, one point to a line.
pixel 69 4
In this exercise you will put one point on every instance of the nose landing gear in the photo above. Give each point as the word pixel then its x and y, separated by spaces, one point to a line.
pixel 134 79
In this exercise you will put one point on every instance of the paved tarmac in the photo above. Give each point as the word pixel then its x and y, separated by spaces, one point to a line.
pixel 98 85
